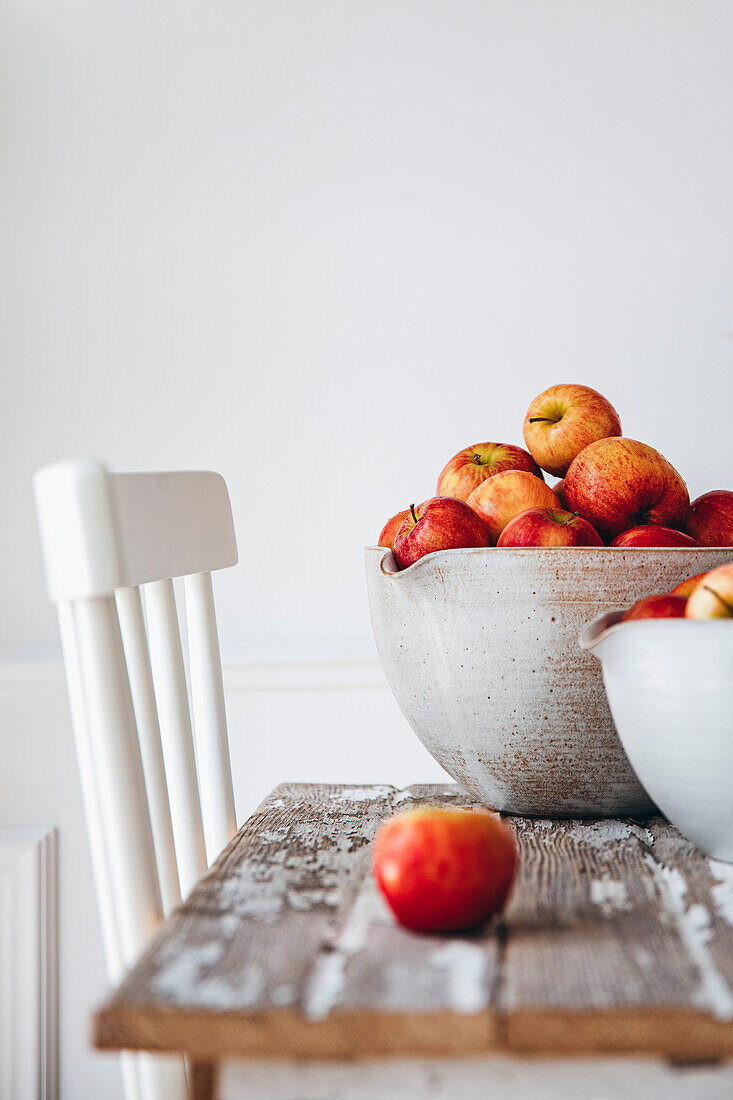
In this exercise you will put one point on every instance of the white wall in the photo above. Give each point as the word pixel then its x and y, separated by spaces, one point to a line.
pixel 322 245
pixel 319 245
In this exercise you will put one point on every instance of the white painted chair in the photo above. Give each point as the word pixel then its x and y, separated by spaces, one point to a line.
pixel 157 787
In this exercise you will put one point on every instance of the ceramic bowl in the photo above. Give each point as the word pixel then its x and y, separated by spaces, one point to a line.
pixel 480 648
pixel 670 687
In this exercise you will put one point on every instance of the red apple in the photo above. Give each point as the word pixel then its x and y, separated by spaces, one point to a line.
pixel 713 597
pixel 503 496
pixel 444 870
pixel 565 419
pixel 390 529
pixel 710 519
pixel 620 483
pixel 470 467
pixel 657 607
pixel 686 588
pixel 652 534
pixel 548 527
pixel 441 523
pixel 559 490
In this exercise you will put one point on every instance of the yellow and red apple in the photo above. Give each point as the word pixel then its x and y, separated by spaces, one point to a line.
pixel 475 464
pixel 619 483
pixel 686 588
pixel 713 596
pixel 666 606
pixel 390 529
pixel 548 527
pixel 503 496
pixel 710 519
pixel 564 420
pixel 444 870
pixel 441 523
pixel 653 534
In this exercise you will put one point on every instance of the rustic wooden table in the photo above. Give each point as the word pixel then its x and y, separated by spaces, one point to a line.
pixel 618 939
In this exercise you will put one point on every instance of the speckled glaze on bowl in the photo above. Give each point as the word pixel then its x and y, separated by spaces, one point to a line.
pixel 480 648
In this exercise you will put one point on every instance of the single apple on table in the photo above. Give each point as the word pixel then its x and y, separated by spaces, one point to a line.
pixel 548 527
pixel 686 588
pixel 475 464
pixel 503 496
pixel 710 518
pixel 620 483
pixel 563 420
pixel 667 606
pixel 444 870
pixel 390 529
pixel 713 597
pixel 441 523
pixel 653 534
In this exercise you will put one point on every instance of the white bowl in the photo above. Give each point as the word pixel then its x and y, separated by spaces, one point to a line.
pixel 670 687
pixel 480 648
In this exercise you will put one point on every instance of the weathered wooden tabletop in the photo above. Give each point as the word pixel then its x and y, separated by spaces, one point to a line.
pixel 618 937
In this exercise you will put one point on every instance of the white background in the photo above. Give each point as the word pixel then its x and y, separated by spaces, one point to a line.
pixel 320 246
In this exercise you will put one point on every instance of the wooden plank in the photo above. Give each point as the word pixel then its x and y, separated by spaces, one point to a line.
pixel 618 938
pixel 617 941
pixel 274 953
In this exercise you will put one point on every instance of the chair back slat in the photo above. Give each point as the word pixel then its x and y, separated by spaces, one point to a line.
pixel 117 767
pixel 135 643
pixel 90 792
pixel 209 716
pixel 169 678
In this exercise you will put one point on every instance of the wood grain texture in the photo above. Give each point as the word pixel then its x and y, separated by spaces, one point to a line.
pixel 618 938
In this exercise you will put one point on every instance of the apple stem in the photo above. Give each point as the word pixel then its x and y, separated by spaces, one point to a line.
pixel 414 517
pixel 544 419
pixel 726 605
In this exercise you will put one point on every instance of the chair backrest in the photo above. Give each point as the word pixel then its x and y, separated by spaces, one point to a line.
pixel 159 805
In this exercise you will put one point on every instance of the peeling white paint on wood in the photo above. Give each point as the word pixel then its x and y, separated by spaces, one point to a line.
pixel 465 964
pixel 694 924
pixel 610 894
pixel 722 889
pixel 328 979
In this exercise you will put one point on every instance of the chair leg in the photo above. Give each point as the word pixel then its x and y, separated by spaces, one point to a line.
pixel 203 1080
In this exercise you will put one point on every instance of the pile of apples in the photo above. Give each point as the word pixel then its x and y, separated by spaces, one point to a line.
pixel 613 490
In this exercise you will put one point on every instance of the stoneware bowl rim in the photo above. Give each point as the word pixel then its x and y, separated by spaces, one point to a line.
pixel 605 626
pixel 508 550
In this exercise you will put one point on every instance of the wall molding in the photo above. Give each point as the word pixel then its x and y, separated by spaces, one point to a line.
pixel 28 965
pixel 336 665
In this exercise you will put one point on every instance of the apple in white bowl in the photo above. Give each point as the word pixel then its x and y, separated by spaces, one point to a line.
pixel 389 532
pixel 653 534
pixel 620 483
pixel 502 497
pixel 564 420
pixel 710 519
pixel 713 596
pixel 548 527
pixel 441 523
pixel 473 465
